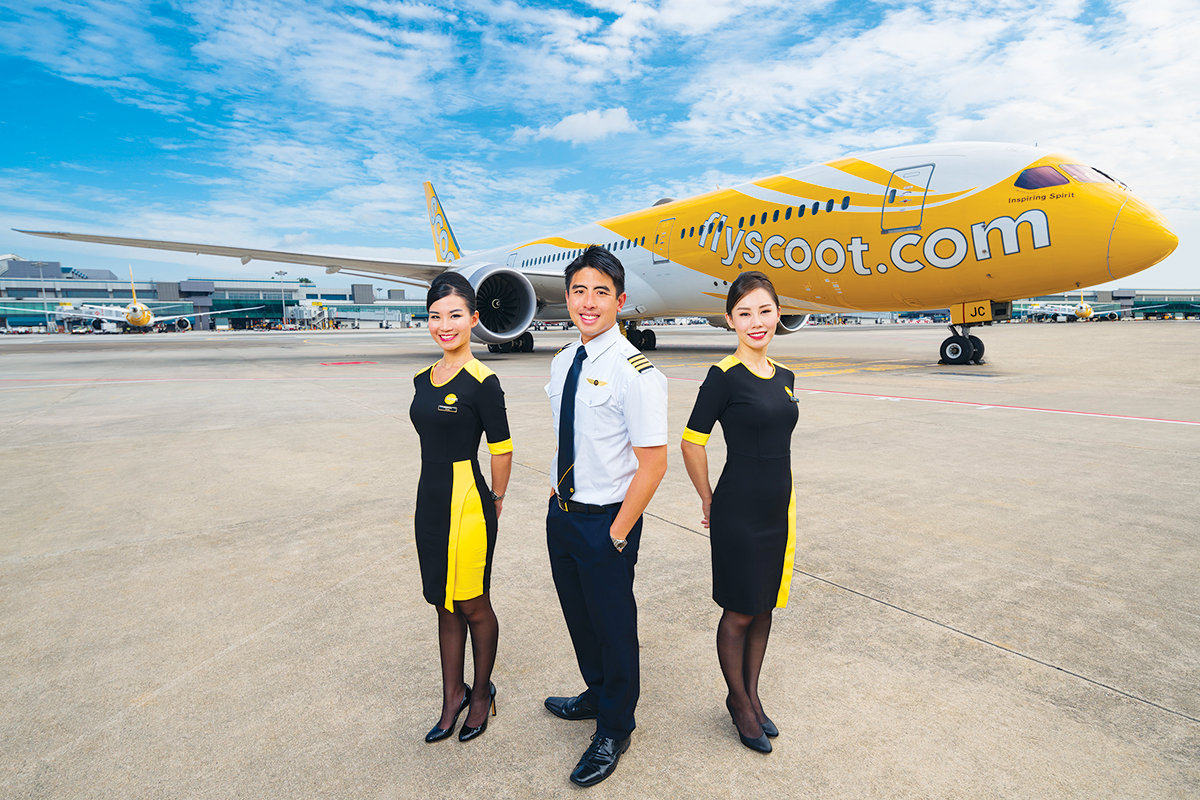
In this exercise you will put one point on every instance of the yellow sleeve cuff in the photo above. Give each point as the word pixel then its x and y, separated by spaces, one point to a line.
pixel 695 437
pixel 499 448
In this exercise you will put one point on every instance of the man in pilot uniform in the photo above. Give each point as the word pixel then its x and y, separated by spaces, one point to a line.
pixel 610 419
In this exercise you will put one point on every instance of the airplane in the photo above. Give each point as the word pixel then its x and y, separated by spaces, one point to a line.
pixel 134 315
pixel 1081 311
pixel 970 226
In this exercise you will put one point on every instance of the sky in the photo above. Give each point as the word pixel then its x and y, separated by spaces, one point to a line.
pixel 311 125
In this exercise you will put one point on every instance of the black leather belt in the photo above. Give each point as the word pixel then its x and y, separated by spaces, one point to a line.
pixel 572 507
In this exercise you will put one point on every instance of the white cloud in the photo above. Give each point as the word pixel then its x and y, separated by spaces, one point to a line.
pixel 582 128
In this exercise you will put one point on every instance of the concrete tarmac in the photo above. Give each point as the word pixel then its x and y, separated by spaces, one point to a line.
pixel 210 588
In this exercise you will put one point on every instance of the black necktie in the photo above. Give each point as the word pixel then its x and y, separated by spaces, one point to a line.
pixel 566 428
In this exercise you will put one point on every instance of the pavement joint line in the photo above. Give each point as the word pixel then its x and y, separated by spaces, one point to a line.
pixel 142 700
pixel 960 632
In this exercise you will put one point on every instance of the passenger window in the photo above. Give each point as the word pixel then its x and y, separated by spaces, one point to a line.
pixel 800 211
pixel 775 216
pixel 845 203
pixel 892 196
pixel 1085 174
pixel 742 222
pixel 829 206
pixel 752 220
pixel 787 214
pixel 691 232
pixel 816 206
pixel 720 224
pixel 1040 178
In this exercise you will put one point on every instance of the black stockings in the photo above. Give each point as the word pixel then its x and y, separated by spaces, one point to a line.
pixel 477 616
pixel 741 647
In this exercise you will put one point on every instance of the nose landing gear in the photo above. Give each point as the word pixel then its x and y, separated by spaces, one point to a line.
pixel 961 347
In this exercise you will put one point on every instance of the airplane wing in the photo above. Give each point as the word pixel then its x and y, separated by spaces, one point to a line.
pixel 222 312
pixel 418 270
pixel 56 312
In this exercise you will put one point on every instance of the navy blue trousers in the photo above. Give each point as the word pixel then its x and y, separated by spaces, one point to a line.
pixel 595 590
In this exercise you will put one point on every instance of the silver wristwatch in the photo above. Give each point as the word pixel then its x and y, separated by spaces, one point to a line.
pixel 619 543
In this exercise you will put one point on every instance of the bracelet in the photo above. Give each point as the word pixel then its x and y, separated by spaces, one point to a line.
pixel 497 496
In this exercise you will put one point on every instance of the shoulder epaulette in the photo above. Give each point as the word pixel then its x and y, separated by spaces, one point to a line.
pixel 477 370
pixel 640 362
pixel 564 347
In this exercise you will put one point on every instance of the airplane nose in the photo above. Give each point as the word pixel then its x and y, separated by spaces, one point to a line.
pixel 1141 237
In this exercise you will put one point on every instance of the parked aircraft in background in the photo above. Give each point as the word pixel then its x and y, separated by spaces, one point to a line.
pixel 968 226
pixel 1051 312
pixel 134 315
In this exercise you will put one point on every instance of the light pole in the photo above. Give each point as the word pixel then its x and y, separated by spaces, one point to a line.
pixel 282 307
pixel 42 277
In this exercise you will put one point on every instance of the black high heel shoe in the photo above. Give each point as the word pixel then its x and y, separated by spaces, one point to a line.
pixel 759 744
pixel 436 734
pixel 769 728
pixel 467 734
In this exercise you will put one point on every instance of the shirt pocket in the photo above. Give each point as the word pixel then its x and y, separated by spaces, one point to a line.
pixel 596 409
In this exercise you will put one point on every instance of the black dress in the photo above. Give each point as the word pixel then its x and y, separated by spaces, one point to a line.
pixel 752 521
pixel 455 526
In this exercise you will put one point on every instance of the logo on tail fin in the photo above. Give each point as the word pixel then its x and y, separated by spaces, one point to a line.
pixel 443 238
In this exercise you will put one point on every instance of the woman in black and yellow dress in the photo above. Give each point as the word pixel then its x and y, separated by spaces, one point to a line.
pixel 752 513
pixel 456 400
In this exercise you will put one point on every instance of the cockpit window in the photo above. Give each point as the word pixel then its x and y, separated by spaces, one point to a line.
pixel 1040 178
pixel 1085 174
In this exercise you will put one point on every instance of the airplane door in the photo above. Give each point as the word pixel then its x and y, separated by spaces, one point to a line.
pixel 662 241
pixel 904 201
pixel 512 259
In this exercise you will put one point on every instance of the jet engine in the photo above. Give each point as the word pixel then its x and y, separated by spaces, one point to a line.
pixel 790 323
pixel 97 325
pixel 505 300
pixel 182 324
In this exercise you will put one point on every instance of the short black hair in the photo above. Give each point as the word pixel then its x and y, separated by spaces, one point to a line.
pixel 601 260
pixel 746 283
pixel 449 283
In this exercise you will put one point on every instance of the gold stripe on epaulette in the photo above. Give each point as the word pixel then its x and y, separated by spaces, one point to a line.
pixel 564 347
pixel 640 362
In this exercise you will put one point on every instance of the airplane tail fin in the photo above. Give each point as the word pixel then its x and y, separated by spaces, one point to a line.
pixel 131 288
pixel 443 238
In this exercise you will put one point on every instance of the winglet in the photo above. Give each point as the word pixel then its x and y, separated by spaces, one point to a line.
pixel 132 288
pixel 443 238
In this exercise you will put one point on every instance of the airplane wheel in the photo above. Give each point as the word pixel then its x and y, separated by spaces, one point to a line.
pixel 957 350
pixel 525 342
pixel 493 348
pixel 649 340
pixel 635 338
pixel 977 349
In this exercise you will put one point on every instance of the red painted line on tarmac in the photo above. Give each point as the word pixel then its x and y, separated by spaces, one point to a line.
pixel 986 406
pixel 35 383
pixel 344 363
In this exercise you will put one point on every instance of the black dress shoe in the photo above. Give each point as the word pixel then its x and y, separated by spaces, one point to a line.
pixel 572 708
pixel 769 728
pixel 599 760
pixel 759 743
pixel 436 734
pixel 468 733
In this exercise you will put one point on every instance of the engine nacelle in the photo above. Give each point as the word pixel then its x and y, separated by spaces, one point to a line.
pixel 790 323
pixel 505 300
pixel 97 325
pixel 719 322
pixel 182 324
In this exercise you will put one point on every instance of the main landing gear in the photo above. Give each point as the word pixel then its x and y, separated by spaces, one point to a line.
pixel 521 344
pixel 642 340
pixel 961 347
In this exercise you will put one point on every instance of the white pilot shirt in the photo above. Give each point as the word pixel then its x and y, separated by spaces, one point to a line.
pixel 620 403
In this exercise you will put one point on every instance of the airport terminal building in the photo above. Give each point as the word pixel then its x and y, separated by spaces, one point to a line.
pixel 37 287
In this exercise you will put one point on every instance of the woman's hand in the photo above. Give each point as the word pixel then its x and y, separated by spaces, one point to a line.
pixel 499 507
pixel 705 506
